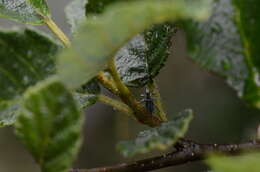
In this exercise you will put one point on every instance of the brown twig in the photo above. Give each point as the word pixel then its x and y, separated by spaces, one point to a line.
pixel 186 151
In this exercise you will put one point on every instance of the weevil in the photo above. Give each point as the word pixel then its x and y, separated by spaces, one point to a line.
pixel 148 100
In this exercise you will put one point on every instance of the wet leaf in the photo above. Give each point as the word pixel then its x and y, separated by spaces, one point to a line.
pixel 101 37
pixel 248 21
pixel 144 56
pixel 49 125
pixel 161 138
pixel 21 11
pixel 75 13
pixel 243 163
pixel 227 44
pixel 27 57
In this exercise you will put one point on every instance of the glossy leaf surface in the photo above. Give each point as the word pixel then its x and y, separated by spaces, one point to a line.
pixel 144 56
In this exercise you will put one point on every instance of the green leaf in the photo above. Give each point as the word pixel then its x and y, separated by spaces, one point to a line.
pixel 27 57
pixel 248 21
pixel 77 10
pixel 49 124
pixel 85 100
pixel 144 56
pixel 227 44
pixel 91 87
pixel 101 37
pixel 243 163
pixel 40 6
pixel 161 138
pixel 75 13
pixel 19 11
pixel 87 94
pixel 97 7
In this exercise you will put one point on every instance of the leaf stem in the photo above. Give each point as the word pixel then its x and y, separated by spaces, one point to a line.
pixel 158 100
pixel 141 114
pixel 57 31
pixel 107 83
pixel 116 104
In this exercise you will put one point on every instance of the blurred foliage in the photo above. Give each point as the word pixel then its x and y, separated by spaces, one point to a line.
pixel 99 41
pixel 75 13
pixel 136 35
pixel 227 44
pixel 246 162
pixel 50 127
pixel 27 56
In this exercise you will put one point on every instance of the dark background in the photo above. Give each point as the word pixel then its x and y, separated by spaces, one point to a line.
pixel 220 117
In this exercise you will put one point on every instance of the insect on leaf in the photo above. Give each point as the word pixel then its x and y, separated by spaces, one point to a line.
pixel 101 37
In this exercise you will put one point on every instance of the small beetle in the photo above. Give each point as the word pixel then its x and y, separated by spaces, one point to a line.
pixel 148 100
